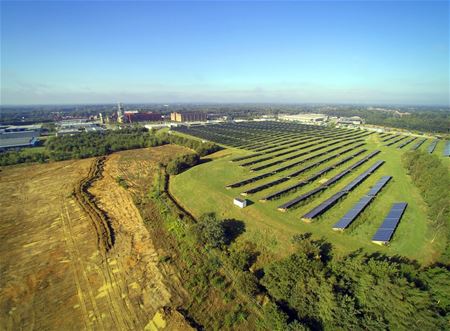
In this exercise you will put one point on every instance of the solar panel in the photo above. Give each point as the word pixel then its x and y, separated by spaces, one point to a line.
pixel 293 202
pixel 447 148
pixel 353 213
pixel 382 236
pixel 314 176
pixel 390 223
pixel 379 185
pixel 432 146
pixel 418 144
pixel 324 206
pixel 406 143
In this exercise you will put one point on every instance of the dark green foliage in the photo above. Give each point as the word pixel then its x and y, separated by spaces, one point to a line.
pixel 275 319
pixel 122 182
pixel 437 281
pixel 86 145
pixel 95 144
pixel 242 257
pixel 236 316
pixel 209 231
pixel 201 148
pixel 429 121
pixel 247 283
pixel 357 292
pixel 182 163
pixel 433 180
pixel 15 157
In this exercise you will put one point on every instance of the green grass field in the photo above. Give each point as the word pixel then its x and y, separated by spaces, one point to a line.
pixel 202 189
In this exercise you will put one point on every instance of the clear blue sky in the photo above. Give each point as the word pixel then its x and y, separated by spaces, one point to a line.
pixel 109 51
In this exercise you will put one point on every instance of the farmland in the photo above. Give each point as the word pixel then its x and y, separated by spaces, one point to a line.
pixel 75 251
pixel 286 170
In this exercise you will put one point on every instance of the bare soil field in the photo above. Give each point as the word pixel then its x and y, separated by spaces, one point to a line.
pixel 75 253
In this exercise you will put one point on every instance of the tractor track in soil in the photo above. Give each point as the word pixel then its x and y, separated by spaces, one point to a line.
pixel 99 217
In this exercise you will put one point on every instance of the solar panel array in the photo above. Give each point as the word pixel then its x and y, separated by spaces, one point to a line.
pixel 406 143
pixel 289 166
pixel 390 223
pixel 327 204
pixel 313 177
pixel 396 141
pixel 359 207
pixel 328 183
pixel 447 148
pixel 432 146
pixel 300 171
pixel 390 138
pixel 418 144
pixel 262 136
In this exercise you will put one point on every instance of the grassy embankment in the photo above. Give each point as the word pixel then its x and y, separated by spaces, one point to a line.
pixel 202 189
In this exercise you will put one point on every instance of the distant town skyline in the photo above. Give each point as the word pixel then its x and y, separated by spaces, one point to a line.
pixel 343 52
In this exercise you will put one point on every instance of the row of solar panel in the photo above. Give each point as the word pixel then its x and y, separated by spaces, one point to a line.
pixel 243 134
pixel 432 146
pixel 286 167
pixel 291 203
pixel 317 142
pixel 218 134
pixel 396 141
pixel 418 144
pixel 327 204
pixel 390 223
pixel 390 138
pixel 359 207
pixel 302 140
pixel 274 145
pixel 447 148
pixel 406 143
pixel 295 156
pixel 298 172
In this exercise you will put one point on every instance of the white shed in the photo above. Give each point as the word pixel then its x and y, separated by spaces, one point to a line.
pixel 241 203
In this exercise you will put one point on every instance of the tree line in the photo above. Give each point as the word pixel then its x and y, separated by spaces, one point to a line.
pixel 432 178
pixel 92 144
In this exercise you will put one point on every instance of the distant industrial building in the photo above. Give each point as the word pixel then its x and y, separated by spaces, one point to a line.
pixel 135 116
pixel 74 127
pixel 304 118
pixel 16 137
pixel 17 143
pixel 188 117
pixel 354 120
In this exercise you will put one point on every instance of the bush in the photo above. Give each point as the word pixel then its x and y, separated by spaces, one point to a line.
pixel 201 148
pixel 247 283
pixel 209 231
pixel 182 163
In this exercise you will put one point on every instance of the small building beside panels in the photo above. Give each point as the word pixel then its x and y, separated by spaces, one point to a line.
pixel 241 203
